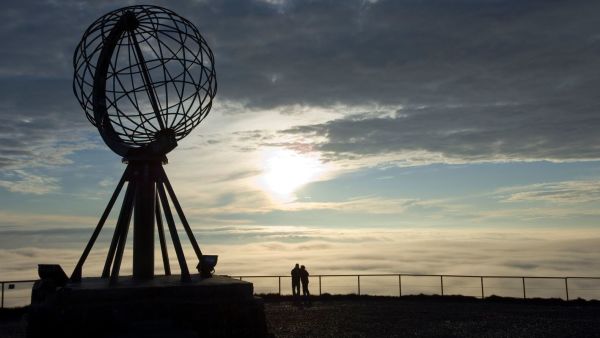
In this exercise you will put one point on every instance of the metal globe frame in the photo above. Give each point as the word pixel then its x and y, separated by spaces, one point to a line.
pixel 143 73
pixel 145 78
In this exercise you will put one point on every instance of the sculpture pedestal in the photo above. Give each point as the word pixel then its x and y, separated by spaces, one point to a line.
pixel 161 307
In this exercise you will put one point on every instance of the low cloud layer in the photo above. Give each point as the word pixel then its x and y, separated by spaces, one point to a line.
pixel 274 250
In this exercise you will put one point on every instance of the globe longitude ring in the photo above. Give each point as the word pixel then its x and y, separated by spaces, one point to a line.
pixel 145 78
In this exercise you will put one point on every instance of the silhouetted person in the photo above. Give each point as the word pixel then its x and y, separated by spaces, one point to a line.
pixel 304 279
pixel 296 280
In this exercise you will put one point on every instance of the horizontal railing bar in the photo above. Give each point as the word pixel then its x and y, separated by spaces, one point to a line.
pixel 375 275
pixel 418 275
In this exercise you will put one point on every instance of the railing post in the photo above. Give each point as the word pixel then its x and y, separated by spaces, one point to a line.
pixel 279 277
pixel 524 294
pixel 2 306
pixel 319 285
pixel 482 295
pixel 399 285
pixel 442 284
pixel 358 284
pixel 567 287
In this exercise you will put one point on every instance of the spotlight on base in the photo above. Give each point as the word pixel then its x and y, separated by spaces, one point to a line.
pixel 207 264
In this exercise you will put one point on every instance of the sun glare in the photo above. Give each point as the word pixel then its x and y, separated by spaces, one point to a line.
pixel 284 171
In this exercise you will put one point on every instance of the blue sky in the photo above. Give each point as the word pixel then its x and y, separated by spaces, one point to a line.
pixel 391 136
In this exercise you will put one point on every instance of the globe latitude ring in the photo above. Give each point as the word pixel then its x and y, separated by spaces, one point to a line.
pixel 145 78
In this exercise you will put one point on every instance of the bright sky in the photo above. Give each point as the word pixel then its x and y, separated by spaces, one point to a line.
pixel 354 136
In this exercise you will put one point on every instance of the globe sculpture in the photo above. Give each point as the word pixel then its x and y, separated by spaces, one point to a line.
pixel 145 78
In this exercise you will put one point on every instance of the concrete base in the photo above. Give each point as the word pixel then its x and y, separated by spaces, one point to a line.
pixel 161 307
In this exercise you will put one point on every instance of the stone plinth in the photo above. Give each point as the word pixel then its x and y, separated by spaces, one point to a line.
pixel 163 306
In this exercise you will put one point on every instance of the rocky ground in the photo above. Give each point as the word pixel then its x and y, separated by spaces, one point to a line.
pixel 433 317
pixel 416 316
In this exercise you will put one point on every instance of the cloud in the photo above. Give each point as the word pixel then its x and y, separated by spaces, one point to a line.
pixel 365 83
pixel 274 250
pixel 31 184
pixel 484 83
pixel 460 134
pixel 363 205
pixel 41 125
pixel 467 81
pixel 569 192
pixel 37 222
pixel 37 133
pixel 398 52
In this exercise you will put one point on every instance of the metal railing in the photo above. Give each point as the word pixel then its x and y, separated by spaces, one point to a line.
pixel 399 277
pixel 399 280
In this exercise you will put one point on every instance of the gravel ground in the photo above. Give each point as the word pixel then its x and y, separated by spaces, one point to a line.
pixel 433 317
pixel 419 316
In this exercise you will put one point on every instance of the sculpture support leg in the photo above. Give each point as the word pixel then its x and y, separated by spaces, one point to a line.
pixel 143 222
pixel 123 226
pixel 115 239
pixel 161 237
pixel 185 273
pixel 76 275
pixel 184 221
pixel 148 189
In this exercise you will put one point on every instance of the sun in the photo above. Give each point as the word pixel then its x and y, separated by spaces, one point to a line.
pixel 284 171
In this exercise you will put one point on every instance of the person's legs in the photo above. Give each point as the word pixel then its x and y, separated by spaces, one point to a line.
pixel 305 293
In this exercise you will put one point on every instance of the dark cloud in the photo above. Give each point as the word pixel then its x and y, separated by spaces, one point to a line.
pixel 468 133
pixel 353 51
pixel 478 80
pixel 41 123
pixel 402 52
pixel 509 78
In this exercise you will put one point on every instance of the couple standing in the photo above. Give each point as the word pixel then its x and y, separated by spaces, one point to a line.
pixel 300 274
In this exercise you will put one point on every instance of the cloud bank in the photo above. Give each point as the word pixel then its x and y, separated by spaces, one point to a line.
pixel 352 251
